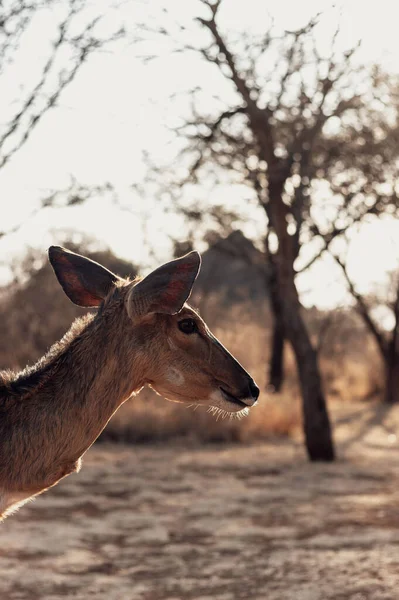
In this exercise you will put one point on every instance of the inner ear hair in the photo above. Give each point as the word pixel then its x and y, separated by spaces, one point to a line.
pixel 84 281
pixel 166 289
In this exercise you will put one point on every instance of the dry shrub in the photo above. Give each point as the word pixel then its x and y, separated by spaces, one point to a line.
pixel 350 363
pixel 149 418
pixel 353 380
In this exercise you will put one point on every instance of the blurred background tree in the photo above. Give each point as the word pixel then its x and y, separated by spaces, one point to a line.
pixel 313 134
pixel 379 312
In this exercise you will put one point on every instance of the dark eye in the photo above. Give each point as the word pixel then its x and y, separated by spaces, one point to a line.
pixel 188 326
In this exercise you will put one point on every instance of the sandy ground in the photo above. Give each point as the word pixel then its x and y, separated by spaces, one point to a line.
pixel 217 522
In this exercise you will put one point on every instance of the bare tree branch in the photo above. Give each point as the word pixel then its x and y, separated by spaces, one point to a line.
pixel 363 308
pixel 80 42
pixel 73 195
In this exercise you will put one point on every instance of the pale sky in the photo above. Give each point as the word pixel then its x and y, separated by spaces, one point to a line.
pixel 118 107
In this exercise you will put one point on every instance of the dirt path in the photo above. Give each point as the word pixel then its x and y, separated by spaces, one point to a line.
pixel 216 523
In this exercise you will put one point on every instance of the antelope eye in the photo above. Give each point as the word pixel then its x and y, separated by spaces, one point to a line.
pixel 188 326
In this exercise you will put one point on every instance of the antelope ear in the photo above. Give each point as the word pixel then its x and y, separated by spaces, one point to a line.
pixel 84 281
pixel 166 289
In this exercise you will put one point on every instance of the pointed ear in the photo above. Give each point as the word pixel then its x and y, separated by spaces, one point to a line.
pixel 166 289
pixel 84 281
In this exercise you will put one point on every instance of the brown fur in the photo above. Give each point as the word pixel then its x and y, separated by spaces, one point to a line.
pixel 51 413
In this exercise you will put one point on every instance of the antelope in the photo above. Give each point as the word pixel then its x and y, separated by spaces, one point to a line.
pixel 143 333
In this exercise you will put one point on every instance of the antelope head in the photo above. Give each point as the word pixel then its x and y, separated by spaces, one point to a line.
pixel 180 358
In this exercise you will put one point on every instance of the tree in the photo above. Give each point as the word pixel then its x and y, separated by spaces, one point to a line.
pixel 275 131
pixel 387 342
pixel 267 136
pixel 364 190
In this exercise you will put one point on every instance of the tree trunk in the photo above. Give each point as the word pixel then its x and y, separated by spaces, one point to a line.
pixel 391 360
pixel 392 378
pixel 276 363
pixel 317 427
pixel 319 443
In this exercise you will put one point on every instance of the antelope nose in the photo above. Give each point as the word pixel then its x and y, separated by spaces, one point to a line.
pixel 254 390
pixel 251 394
